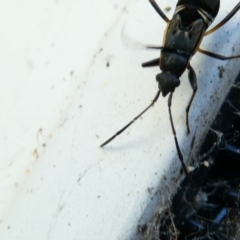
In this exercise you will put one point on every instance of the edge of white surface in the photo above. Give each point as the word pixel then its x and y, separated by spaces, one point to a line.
pixel 69 187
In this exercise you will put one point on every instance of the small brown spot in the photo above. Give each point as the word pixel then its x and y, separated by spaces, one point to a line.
pixel 150 190
pixel 221 71
pixel 60 208
pixel 167 9
pixel 35 154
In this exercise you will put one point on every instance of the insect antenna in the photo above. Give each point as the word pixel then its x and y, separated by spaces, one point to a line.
pixel 139 115
pixel 177 145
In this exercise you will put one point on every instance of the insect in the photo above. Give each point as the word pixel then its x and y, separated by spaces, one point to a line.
pixel 183 35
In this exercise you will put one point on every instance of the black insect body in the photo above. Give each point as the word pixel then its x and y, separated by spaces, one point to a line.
pixel 182 38
pixel 183 35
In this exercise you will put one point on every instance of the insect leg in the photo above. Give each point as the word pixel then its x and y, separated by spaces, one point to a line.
pixel 124 128
pixel 154 47
pixel 214 55
pixel 152 63
pixel 159 11
pixel 176 142
pixel 228 17
pixel 193 82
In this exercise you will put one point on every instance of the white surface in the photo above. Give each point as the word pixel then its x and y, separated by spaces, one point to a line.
pixel 59 102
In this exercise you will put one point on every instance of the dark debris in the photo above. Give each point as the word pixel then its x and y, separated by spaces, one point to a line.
pixel 212 210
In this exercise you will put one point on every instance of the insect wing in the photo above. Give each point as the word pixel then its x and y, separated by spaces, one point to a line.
pixel 186 39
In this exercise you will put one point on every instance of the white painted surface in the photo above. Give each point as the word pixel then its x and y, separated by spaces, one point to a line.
pixel 59 102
